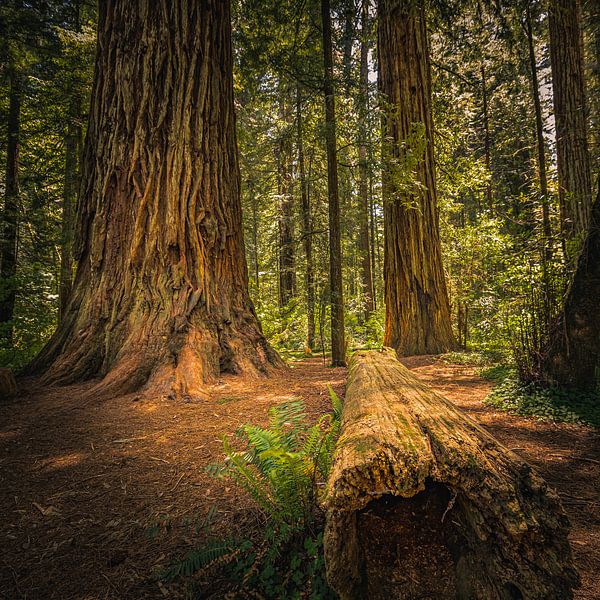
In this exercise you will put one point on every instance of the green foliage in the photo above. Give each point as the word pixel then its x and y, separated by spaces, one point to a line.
pixel 547 404
pixel 284 467
pixel 476 358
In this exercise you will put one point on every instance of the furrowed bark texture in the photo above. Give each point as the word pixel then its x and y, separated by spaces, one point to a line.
pixel 417 305
pixel 161 291
pixel 573 357
pixel 570 114
pixel 503 531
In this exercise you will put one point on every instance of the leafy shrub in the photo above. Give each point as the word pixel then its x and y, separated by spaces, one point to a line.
pixel 545 403
pixel 284 468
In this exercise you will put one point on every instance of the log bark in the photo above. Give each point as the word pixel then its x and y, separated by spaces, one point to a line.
pixel 417 304
pixel 422 502
pixel 160 296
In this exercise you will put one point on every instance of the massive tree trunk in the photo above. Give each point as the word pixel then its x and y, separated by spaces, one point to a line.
pixel 306 227
pixel 10 216
pixel 161 291
pixel 338 349
pixel 574 175
pixel 363 183
pixel 423 503
pixel 417 306
pixel 573 356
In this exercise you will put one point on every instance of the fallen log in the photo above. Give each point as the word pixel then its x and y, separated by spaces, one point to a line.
pixel 423 503
pixel 8 385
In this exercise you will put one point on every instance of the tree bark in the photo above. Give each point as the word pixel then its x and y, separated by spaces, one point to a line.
pixel 486 140
pixel 160 296
pixel 338 346
pixel 417 305
pixel 306 227
pixel 10 216
pixel 570 114
pixel 573 356
pixel 539 134
pixel 363 184
pixel 73 143
pixel 423 503
pixel 287 257
pixel 73 139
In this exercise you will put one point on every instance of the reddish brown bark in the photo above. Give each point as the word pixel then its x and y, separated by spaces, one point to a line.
pixel 161 292
pixel 417 306
pixel 568 84
pixel 572 358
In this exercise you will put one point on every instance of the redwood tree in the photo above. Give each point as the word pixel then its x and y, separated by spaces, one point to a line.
pixel 574 175
pixel 161 291
pixel 417 305
pixel 573 354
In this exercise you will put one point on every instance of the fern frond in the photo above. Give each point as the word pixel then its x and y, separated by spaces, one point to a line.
pixel 336 404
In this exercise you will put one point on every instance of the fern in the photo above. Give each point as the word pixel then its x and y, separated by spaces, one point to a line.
pixel 283 467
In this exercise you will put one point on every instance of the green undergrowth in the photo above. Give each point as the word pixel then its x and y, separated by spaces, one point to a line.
pixel 543 403
pixel 485 357
pixel 284 468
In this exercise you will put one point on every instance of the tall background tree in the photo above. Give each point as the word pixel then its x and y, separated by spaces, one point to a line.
pixel 417 305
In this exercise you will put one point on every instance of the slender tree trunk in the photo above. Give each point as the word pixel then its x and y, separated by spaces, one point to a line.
pixel 573 356
pixel 349 9
pixel 417 306
pixel 10 216
pixel 541 147
pixel 71 184
pixel 161 292
pixel 73 143
pixel 287 258
pixel 363 185
pixel 255 221
pixel 570 114
pixel 486 138
pixel 338 350
pixel 306 227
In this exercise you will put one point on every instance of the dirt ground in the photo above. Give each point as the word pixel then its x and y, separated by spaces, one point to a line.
pixel 82 482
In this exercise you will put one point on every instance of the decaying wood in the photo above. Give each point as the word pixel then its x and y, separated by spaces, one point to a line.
pixel 424 503
pixel 8 385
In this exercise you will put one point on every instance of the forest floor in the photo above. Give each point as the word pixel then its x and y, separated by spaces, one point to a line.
pixel 83 483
